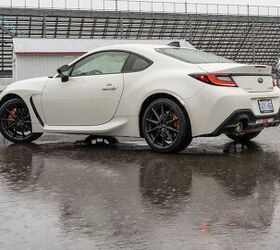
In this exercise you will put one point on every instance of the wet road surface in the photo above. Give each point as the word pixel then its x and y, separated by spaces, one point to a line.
pixel 61 194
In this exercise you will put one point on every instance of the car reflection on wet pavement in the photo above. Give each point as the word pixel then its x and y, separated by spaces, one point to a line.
pixel 62 194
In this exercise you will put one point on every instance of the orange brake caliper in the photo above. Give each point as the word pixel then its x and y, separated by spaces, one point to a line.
pixel 11 117
pixel 176 124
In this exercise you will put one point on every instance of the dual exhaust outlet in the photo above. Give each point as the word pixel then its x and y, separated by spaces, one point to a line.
pixel 242 124
pixel 239 127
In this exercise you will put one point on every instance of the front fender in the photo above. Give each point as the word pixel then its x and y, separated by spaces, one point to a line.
pixel 26 87
pixel 25 90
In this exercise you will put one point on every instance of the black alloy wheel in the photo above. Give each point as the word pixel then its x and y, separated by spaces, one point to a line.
pixel 166 127
pixel 15 123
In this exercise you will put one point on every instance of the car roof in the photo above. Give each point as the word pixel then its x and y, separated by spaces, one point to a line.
pixel 132 46
pixel 147 50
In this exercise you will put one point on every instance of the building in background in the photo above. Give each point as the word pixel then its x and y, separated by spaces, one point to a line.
pixel 41 57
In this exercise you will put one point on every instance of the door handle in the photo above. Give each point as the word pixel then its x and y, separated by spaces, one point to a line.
pixel 109 86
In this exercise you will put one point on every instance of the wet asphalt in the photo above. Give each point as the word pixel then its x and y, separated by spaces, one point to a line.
pixel 60 193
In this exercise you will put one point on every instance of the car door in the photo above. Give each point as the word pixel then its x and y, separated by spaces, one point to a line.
pixel 92 93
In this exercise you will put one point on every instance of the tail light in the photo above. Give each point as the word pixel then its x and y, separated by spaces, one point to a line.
pixel 216 79
pixel 274 82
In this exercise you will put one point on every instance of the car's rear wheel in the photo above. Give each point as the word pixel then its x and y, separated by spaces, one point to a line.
pixel 166 127
pixel 15 123
pixel 243 137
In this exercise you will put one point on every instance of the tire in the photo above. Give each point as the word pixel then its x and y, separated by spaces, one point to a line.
pixel 15 122
pixel 165 126
pixel 243 137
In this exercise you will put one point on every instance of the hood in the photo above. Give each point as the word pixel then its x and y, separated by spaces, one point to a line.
pixel 36 83
pixel 25 87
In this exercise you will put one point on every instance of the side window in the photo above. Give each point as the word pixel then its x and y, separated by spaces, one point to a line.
pixel 108 62
pixel 140 64
pixel 136 63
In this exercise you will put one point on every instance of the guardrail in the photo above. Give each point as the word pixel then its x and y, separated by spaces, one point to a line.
pixel 146 6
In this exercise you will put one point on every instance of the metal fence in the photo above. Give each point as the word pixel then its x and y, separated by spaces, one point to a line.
pixel 146 6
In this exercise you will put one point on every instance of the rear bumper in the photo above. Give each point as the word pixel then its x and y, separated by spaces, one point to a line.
pixel 214 110
pixel 250 122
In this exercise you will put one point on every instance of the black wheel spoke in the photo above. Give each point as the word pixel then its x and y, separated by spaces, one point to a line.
pixel 171 121
pixel 157 134
pixel 11 125
pixel 18 112
pixel 172 129
pixel 152 130
pixel 27 127
pixel 25 115
pixel 167 114
pixel 162 138
pixel 156 114
pixel 14 131
pixel 11 113
pixel 162 110
pixel 152 121
pixel 8 120
pixel 24 118
pixel 169 136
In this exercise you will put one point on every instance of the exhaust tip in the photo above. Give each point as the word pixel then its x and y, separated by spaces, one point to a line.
pixel 239 127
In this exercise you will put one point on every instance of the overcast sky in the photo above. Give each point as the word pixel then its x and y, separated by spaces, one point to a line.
pixel 255 2
pixel 86 3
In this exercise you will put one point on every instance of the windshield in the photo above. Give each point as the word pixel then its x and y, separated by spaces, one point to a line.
pixel 193 55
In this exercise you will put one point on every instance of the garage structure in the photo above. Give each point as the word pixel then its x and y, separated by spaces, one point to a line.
pixel 41 57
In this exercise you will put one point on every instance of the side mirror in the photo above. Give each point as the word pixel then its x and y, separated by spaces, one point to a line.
pixel 63 71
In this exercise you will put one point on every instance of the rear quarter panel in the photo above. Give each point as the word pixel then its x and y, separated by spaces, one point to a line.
pixel 170 80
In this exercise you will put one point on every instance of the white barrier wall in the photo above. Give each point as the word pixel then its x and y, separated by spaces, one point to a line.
pixel 4 82
pixel 31 66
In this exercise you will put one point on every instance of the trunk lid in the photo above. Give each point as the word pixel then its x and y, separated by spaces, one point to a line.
pixel 252 78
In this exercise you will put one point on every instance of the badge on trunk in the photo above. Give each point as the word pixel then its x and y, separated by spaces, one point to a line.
pixel 260 80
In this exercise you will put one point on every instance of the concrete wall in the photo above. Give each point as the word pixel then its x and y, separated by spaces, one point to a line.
pixel 30 66
pixel 4 82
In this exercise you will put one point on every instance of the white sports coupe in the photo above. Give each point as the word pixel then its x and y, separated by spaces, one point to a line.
pixel 166 94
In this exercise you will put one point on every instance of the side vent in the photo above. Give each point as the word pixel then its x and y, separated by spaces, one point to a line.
pixel 36 112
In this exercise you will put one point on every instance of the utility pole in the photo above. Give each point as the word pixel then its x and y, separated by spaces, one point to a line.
pixel 253 42
pixel 190 37
pixel 121 25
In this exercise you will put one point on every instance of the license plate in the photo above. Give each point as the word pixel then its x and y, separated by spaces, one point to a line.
pixel 266 106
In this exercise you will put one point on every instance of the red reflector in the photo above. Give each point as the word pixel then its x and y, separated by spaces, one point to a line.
pixel 274 82
pixel 265 121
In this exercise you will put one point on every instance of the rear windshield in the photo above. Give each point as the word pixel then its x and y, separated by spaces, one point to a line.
pixel 193 55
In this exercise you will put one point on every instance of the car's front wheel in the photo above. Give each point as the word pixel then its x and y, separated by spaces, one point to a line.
pixel 166 127
pixel 15 123
pixel 243 137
